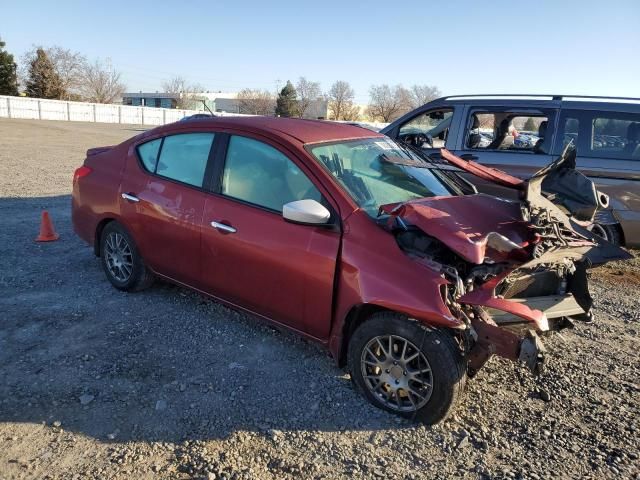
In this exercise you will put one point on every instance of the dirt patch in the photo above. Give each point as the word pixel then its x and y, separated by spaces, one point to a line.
pixel 627 272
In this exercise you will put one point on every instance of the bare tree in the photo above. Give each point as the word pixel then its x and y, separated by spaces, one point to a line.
pixel 308 92
pixel 186 95
pixel 101 83
pixel 386 103
pixel 421 94
pixel 256 102
pixel 68 65
pixel 341 106
pixel 351 113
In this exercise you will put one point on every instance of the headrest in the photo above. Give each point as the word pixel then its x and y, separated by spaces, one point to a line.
pixel 504 126
pixel 633 132
pixel 542 129
pixel 476 122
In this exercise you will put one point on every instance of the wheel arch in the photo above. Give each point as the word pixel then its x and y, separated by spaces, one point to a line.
pixel 357 315
pixel 98 233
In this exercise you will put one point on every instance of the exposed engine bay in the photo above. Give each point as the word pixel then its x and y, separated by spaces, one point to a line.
pixel 514 269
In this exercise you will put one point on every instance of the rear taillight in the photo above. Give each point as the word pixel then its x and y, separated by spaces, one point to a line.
pixel 83 171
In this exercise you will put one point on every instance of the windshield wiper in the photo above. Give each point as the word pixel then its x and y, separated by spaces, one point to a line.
pixel 448 175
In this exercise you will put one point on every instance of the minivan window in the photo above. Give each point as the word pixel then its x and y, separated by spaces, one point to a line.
pixel 570 129
pixel 600 134
pixel 148 153
pixel 259 174
pixel 428 130
pixel 184 157
pixel 506 131
pixel 615 137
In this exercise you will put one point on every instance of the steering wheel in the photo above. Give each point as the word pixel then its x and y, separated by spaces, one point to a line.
pixel 418 139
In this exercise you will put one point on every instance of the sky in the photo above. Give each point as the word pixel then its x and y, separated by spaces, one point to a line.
pixel 587 47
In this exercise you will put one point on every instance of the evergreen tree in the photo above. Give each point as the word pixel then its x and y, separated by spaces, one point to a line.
pixel 43 81
pixel 530 125
pixel 287 103
pixel 8 77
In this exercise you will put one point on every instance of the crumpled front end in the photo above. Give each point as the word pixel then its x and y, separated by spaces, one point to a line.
pixel 515 270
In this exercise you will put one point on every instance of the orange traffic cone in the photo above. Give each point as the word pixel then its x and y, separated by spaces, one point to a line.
pixel 47 232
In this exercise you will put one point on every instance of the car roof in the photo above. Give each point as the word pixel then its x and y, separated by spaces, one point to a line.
pixel 302 130
pixel 577 102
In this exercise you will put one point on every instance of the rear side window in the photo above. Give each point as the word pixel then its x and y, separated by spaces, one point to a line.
pixel 570 128
pixel 181 157
pixel 148 153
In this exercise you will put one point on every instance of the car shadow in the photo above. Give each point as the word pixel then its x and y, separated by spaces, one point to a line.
pixel 166 364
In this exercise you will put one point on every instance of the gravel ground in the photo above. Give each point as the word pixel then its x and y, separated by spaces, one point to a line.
pixel 168 384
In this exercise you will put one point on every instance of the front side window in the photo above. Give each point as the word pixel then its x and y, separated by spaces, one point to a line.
pixel 257 173
pixel 506 131
pixel 377 171
pixel 184 157
pixel 428 130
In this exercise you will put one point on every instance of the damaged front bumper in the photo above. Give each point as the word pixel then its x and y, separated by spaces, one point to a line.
pixel 508 312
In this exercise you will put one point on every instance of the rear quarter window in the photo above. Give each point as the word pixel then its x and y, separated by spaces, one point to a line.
pixel 602 134
pixel 148 153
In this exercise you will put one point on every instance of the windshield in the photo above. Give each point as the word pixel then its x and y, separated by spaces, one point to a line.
pixel 377 171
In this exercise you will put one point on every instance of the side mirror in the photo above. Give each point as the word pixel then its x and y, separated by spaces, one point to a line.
pixel 306 212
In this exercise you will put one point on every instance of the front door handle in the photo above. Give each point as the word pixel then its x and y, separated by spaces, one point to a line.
pixel 131 198
pixel 468 156
pixel 223 227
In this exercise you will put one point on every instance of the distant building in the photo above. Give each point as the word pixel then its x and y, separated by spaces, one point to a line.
pixel 216 102
pixel 158 100
pixel 170 100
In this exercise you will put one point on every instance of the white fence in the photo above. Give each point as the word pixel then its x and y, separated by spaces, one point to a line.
pixel 41 109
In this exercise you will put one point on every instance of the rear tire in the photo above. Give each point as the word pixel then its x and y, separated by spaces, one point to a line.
pixel 121 261
pixel 406 368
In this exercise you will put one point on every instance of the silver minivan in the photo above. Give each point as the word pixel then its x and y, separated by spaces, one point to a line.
pixel 522 133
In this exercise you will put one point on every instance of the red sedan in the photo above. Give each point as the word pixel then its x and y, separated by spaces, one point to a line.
pixel 349 238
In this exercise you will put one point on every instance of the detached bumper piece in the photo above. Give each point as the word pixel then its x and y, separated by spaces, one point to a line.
pixel 503 333
pixel 491 339
pixel 554 307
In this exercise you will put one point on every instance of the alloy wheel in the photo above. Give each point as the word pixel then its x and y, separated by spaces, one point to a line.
pixel 397 373
pixel 118 256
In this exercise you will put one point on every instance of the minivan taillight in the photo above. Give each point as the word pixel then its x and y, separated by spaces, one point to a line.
pixel 83 171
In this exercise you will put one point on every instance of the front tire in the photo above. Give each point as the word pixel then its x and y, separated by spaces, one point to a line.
pixel 610 232
pixel 406 368
pixel 121 261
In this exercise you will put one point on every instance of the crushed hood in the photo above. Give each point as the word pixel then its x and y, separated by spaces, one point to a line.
pixel 469 225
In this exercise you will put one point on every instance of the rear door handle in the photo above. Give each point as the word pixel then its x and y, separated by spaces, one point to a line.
pixel 223 227
pixel 130 198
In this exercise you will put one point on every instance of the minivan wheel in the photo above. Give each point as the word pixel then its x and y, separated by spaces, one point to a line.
pixel 611 233
pixel 406 368
pixel 121 260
